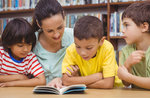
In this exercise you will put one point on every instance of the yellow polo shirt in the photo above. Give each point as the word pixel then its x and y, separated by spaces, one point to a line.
pixel 104 62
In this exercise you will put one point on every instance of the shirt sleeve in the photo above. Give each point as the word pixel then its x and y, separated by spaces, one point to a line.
pixel 122 58
pixel 68 59
pixel 35 67
pixel 109 65
pixel 0 60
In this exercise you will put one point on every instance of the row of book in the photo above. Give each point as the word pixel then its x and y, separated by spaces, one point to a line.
pixel 116 24
pixel 29 4
pixel 4 21
pixel 83 2
pixel 70 20
pixel 124 0
pixel 80 2
pixel 115 21
pixel 17 4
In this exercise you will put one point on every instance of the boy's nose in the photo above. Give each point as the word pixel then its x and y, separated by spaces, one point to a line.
pixel 83 53
pixel 123 30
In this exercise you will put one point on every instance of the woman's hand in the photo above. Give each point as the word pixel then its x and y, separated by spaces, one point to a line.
pixel 57 82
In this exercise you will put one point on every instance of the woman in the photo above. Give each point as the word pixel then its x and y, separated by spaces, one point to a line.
pixel 52 39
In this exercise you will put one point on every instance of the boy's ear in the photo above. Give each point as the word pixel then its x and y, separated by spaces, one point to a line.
pixel 102 41
pixel 145 27
pixel 38 24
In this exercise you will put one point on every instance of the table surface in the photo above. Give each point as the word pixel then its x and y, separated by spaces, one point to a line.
pixel 26 92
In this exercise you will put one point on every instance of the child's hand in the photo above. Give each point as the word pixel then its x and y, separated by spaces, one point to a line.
pixel 6 84
pixel 75 71
pixel 123 73
pixel 134 58
pixel 2 84
pixel 57 82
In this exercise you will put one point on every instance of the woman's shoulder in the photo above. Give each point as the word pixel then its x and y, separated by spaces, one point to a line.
pixel 67 37
pixel 68 32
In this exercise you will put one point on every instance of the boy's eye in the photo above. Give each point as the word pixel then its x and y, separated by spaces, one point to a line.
pixel 126 25
pixel 77 47
pixel 89 48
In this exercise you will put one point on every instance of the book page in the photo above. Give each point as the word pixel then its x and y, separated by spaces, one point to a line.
pixel 72 88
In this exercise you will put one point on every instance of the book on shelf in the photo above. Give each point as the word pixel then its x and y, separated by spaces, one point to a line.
pixel 79 88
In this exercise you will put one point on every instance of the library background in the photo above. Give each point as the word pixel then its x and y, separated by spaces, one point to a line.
pixel 108 11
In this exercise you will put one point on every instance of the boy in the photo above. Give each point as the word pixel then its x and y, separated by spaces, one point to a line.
pixel 136 55
pixel 92 55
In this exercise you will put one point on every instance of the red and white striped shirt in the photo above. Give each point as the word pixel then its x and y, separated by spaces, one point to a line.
pixel 29 65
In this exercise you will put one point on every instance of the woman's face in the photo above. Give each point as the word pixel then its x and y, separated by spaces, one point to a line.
pixel 53 28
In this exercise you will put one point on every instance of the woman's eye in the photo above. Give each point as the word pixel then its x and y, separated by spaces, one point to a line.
pixel 50 31
pixel 59 28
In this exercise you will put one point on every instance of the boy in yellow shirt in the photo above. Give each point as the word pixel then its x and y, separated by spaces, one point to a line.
pixel 90 60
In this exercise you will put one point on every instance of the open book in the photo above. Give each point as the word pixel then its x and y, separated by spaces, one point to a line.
pixel 79 88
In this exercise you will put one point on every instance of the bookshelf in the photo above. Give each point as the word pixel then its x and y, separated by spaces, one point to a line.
pixel 108 8
pixel 68 9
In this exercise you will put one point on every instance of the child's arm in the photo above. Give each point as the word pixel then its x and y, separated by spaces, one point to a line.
pixel 143 82
pixel 40 80
pixel 81 79
pixel 104 83
pixel 8 78
pixel 123 75
pixel 134 58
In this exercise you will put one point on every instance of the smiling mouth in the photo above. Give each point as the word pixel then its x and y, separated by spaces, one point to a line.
pixel 56 38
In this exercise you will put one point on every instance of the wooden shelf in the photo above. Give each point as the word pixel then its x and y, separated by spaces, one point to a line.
pixel 16 11
pixel 116 37
pixel 86 6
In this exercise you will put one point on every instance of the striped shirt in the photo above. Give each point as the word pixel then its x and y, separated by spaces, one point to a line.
pixel 29 65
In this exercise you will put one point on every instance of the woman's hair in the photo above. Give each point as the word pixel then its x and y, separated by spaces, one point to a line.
pixel 16 31
pixel 88 27
pixel 45 9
